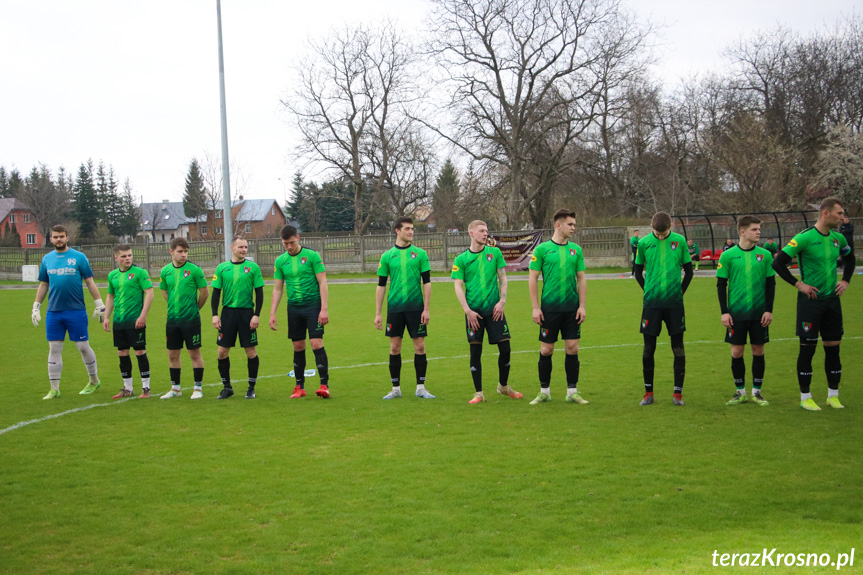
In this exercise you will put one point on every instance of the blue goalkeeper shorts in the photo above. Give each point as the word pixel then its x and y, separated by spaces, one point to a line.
pixel 57 323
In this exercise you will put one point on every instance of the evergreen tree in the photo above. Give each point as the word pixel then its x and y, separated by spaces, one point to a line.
pixel 130 217
pixel 4 183
pixel 113 204
pixel 86 202
pixel 16 184
pixel 194 195
pixel 11 237
pixel 445 198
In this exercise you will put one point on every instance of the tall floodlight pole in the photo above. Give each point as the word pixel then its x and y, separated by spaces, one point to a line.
pixel 227 214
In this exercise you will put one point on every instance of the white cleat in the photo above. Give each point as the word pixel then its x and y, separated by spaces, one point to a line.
pixel 197 394
pixel 172 393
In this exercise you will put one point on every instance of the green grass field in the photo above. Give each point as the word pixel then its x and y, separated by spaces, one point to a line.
pixel 355 484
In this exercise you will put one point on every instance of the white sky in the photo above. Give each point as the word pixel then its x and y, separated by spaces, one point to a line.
pixel 135 83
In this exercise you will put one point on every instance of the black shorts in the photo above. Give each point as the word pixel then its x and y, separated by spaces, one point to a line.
pixel 399 320
pixel 758 335
pixel 178 334
pixel 819 317
pixel 652 318
pixel 130 338
pixel 563 322
pixel 236 321
pixel 301 320
pixel 497 330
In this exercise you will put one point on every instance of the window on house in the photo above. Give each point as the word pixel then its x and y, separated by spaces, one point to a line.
pixel 248 228
pixel 218 229
pixel 269 228
pixel 31 239
pixel 163 237
pixel 273 211
pixel 203 230
pixel 26 218
pixel 12 218
pixel 218 214
pixel 172 236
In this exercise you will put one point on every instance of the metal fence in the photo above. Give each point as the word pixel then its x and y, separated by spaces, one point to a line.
pixel 608 246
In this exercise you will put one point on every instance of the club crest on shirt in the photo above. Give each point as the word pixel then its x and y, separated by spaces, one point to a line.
pixel 187 273
pixel 644 323
pixel 759 258
pixel 303 260
pixel 413 255
pixel 730 331
pixel 389 327
pixel 130 276
pixel 835 244
pixel 544 332
pixel 674 245
pixel 807 326
pixel 471 333
pixel 572 251
pixel 488 257
pixel 246 269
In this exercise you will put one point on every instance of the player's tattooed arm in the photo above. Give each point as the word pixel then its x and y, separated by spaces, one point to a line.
pixel 533 288
pixel 324 315
pixel 497 313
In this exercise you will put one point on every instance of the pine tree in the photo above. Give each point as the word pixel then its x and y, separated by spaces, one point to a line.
pixel 194 195
pixel 129 221
pixel 4 183
pixel 445 198
pixel 86 202
pixel 113 204
pixel 11 237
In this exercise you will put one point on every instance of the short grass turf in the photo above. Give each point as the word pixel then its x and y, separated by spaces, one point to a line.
pixel 355 484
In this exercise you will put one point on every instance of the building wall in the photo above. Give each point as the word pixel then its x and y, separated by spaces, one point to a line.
pixel 24 229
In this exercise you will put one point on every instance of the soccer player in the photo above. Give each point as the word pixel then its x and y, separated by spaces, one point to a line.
pixel 819 310
pixel 184 287
pixel 408 303
pixel 633 247
pixel 661 255
pixel 302 272
pixel 480 287
pixel 564 291
pixel 130 295
pixel 234 283
pixel 693 253
pixel 746 285
pixel 60 278
pixel 772 247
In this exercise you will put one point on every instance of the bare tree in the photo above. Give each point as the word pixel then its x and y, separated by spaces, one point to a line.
pixel 211 174
pixel 48 201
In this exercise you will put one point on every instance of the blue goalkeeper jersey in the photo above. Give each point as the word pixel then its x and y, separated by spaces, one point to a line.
pixel 64 272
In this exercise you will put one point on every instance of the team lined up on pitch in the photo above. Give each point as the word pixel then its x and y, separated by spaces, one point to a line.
pixel 745 288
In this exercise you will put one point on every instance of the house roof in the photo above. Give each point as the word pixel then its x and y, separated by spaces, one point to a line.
pixel 170 215
pixel 7 205
pixel 254 210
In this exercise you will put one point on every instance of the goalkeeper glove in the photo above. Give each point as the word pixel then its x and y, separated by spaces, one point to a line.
pixel 36 316
pixel 99 312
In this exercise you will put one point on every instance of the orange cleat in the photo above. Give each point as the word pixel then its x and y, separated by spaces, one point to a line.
pixel 298 392
pixel 323 391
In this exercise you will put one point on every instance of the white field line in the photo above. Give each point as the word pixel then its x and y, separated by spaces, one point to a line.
pixel 21 424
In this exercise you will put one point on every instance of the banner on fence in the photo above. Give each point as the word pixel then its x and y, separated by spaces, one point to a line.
pixel 517 248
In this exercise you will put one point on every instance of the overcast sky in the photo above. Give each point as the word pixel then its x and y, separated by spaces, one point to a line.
pixel 135 83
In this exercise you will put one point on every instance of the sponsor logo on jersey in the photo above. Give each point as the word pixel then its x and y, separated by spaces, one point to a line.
pixel 533 257
pixel 759 258
pixel 454 268
pixel 186 273
pixel 413 255
pixel 246 269
pixel 807 326
pixel 674 245
pixel 303 260
pixel 488 257
pixel 215 277
pixel 793 243
pixel 719 266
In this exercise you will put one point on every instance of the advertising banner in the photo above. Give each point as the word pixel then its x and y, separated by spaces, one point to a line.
pixel 517 248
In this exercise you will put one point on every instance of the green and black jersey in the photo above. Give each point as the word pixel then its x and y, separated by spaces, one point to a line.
pixel 182 285
pixel 771 247
pixel 747 272
pixel 559 265
pixel 299 273
pixel 816 255
pixel 404 267
pixel 478 270
pixel 127 287
pixel 238 281
pixel 662 260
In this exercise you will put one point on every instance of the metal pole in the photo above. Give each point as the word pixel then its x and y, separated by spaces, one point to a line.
pixel 227 214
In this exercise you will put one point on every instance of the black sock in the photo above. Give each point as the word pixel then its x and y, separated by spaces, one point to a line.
pixel 738 372
pixel 503 362
pixel 300 368
pixel 476 365
pixel 647 362
pixel 225 371
pixel 125 366
pixel 253 363
pixel 544 371
pixel 420 365
pixel 143 365
pixel 323 365
pixel 832 366
pixel 198 374
pixel 757 372
pixel 679 362
pixel 804 367
pixel 175 376
pixel 571 365
pixel 396 369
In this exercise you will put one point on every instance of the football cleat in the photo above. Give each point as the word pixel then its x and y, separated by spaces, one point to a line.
pixel 424 394
pixel 576 398
pixel 225 393
pixel 54 393
pixel 145 394
pixel 508 391
pixel 647 399
pixel 298 392
pixel 738 398
pixel 197 394
pixel 250 393
pixel 834 402
pixel 172 393
pixel 810 405
pixel 90 388
pixel 323 391
pixel 394 394
pixel 678 399
pixel 541 398
pixel 477 398
pixel 124 393
pixel 758 399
